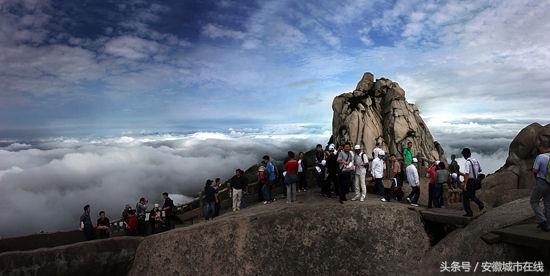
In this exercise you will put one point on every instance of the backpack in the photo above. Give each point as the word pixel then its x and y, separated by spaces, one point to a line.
pixel 477 178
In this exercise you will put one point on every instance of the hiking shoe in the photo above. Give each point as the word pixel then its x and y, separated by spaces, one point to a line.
pixel 362 199
pixel 355 198
pixel 265 202
pixel 409 199
pixel 383 200
pixel 415 205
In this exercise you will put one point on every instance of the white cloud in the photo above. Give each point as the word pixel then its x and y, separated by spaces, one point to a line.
pixel 131 47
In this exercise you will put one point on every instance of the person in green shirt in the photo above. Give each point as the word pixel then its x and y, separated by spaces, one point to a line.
pixel 408 153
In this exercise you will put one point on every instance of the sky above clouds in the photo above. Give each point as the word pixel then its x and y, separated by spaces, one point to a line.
pixel 123 98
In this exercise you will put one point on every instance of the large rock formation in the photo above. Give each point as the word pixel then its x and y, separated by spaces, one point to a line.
pixel 515 179
pixel 100 257
pixel 376 111
pixel 302 239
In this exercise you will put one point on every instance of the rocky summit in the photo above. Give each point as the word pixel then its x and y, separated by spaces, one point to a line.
pixel 377 111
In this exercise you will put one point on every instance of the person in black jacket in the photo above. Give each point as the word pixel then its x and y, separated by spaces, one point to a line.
pixel 302 172
pixel 332 171
pixel 209 200
pixel 168 209
pixel 238 184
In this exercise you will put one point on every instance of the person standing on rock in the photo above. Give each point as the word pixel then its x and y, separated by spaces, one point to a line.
pixel 408 154
pixel 430 173
pixel 209 199
pixel 414 181
pixel 86 225
pixel 377 171
pixel 272 176
pixel 332 169
pixel 442 178
pixel 103 225
pixel 168 209
pixel 238 183
pixel 471 171
pixel 454 168
pixel 361 162
pixel 141 210
pixel 217 206
pixel 291 177
pixel 346 168
pixel 302 172
pixel 320 167
pixel 396 178
pixel 541 190
pixel 376 150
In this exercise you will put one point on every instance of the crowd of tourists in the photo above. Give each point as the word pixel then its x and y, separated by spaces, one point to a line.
pixel 337 172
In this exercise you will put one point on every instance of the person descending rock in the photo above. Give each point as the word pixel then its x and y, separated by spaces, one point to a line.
pixel 217 206
pixel 291 177
pixel 471 171
pixel 86 225
pixel 209 199
pixel 377 171
pixel 346 168
pixel 141 211
pixel 541 190
pixel 430 173
pixel 454 168
pixel 442 178
pixel 302 170
pixel 272 176
pixel 169 210
pixel 332 171
pixel 238 183
pixel 408 154
pixel 414 181
pixel 361 162
pixel 103 225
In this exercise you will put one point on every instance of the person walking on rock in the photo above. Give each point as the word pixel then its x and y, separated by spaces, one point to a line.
pixel 346 168
pixel 471 172
pixel 238 183
pixel 414 181
pixel 302 172
pixel 361 161
pixel 541 190
pixel 291 177
pixel 377 171
pixel 86 225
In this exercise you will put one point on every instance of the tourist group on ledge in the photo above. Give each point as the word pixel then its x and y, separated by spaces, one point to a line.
pixel 335 170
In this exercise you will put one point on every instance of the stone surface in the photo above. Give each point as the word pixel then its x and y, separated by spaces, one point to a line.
pixel 377 111
pixel 515 179
pixel 466 244
pixel 302 239
pixel 100 257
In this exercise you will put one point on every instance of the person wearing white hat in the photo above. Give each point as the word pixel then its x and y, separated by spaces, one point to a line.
pixel 414 181
pixel 361 162
pixel 331 171
pixel 377 171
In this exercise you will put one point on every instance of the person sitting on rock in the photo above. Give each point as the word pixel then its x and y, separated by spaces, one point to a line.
pixel 472 170
pixel 86 224
pixel 541 190
pixel 103 225
pixel 414 181
pixel 377 171
pixel 361 162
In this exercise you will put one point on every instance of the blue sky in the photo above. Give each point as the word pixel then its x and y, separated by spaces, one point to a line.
pixel 96 67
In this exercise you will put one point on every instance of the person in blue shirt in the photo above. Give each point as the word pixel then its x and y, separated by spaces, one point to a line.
pixel 541 190
pixel 86 225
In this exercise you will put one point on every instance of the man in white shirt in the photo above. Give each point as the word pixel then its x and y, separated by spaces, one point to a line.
pixel 377 172
pixel 472 169
pixel 377 150
pixel 414 181
pixel 361 162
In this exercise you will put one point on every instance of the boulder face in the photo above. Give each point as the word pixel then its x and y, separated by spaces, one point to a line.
pixel 377 111
pixel 300 239
pixel 515 179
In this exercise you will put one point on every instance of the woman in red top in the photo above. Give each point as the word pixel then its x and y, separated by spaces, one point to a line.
pixel 291 177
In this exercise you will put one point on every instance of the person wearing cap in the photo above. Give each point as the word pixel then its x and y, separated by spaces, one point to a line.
pixel 361 161
pixel 332 171
pixel 377 171
pixel 471 172
pixel 414 181
pixel 346 168
pixel 430 173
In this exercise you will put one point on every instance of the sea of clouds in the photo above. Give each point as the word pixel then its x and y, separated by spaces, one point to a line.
pixel 44 184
